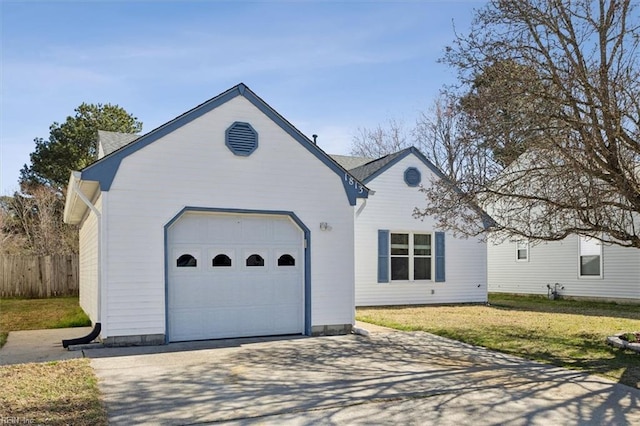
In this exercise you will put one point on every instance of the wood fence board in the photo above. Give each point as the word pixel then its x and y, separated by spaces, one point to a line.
pixel 39 277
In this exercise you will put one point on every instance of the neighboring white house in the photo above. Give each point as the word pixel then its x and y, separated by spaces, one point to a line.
pixel 224 222
pixel 574 267
pixel 402 260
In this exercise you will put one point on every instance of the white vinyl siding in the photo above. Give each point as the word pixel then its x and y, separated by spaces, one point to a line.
pixel 391 208
pixel 551 262
pixel 192 166
pixel 88 263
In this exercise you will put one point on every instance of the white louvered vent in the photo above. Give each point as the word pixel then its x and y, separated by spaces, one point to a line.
pixel 241 139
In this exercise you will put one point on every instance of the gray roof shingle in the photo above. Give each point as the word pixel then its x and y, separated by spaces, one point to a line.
pixel 113 141
pixel 349 162
pixel 364 171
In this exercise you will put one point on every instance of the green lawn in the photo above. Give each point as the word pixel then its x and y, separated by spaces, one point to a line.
pixel 564 333
pixel 37 314
pixel 52 393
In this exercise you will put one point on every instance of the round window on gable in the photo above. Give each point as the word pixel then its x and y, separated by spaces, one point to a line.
pixel 412 176
pixel 241 139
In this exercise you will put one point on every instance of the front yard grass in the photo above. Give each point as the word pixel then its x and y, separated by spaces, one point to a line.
pixel 38 314
pixel 52 393
pixel 564 333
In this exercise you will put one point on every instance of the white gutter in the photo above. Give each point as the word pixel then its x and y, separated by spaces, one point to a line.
pixel 76 189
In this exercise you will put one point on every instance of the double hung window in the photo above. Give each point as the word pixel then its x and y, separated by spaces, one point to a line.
pixel 522 251
pixel 410 257
pixel 590 257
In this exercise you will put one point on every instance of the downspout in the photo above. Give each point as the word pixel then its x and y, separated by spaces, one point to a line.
pixel 98 325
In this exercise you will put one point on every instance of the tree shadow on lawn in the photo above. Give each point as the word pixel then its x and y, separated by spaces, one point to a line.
pixel 566 306
pixel 588 352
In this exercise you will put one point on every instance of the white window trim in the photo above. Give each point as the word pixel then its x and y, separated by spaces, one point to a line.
pixel 518 242
pixel 411 257
pixel 589 277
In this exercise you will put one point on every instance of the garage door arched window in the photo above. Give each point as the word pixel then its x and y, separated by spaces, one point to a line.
pixel 221 260
pixel 186 261
pixel 255 260
pixel 286 260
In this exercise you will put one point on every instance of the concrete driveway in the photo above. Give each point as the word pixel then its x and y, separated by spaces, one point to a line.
pixel 386 378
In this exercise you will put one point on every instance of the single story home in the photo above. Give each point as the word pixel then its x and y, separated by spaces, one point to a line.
pixel 578 267
pixel 401 259
pixel 224 222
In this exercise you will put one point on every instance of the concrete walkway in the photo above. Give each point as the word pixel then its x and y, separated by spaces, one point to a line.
pixel 40 345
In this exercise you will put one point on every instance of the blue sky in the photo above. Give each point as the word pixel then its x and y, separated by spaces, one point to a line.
pixel 329 67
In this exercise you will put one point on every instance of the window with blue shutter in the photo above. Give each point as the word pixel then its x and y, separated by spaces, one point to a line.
pixel 412 176
pixel 241 139
pixel 440 275
pixel 383 256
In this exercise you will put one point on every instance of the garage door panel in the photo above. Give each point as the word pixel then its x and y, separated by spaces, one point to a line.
pixel 208 302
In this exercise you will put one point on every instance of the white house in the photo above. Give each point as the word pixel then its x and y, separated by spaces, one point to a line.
pixel 224 222
pixel 402 260
pixel 576 267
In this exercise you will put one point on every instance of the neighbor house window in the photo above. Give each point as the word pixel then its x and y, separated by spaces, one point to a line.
pixel 410 257
pixel 522 251
pixel 590 257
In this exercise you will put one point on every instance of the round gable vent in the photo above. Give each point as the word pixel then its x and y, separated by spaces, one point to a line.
pixel 412 176
pixel 241 138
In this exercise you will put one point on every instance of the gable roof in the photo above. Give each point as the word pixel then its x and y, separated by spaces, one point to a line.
pixel 113 141
pixel 369 171
pixel 101 173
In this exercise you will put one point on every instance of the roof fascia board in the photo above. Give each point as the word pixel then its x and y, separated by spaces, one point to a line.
pixel 487 221
pixel 105 169
pixel 408 151
pixel 352 186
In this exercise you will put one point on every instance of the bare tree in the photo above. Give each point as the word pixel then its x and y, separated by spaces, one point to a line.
pixel 560 81
pixel 439 135
pixel 32 224
pixel 380 141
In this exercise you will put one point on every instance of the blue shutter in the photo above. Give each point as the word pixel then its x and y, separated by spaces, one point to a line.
pixel 383 256
pixel 440 277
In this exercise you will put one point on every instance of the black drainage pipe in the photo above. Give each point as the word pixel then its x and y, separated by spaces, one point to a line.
pixel 84 340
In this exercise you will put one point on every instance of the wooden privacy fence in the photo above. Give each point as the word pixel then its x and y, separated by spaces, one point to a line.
pixel 38 276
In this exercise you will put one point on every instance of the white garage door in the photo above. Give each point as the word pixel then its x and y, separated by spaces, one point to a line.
pixel 234 276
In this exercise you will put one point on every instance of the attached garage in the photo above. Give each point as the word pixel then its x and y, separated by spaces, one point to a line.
pixel 224 222
pixel 234 275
